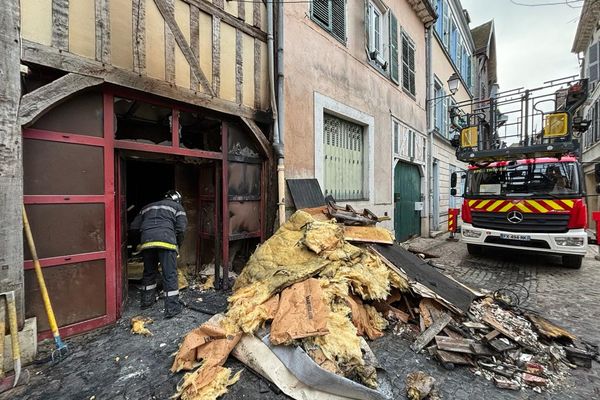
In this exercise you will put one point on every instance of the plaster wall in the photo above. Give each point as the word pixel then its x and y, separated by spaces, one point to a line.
pixel 317 64
pixel 442 151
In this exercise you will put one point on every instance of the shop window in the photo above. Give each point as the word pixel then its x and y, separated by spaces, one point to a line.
pixel 198 132
pixel 142 122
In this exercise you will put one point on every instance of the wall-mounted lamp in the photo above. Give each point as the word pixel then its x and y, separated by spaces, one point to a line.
pixel 453 83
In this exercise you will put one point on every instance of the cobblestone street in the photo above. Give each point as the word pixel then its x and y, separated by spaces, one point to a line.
pixel 567 296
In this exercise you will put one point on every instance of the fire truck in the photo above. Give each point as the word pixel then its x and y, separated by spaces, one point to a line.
pixel 524 186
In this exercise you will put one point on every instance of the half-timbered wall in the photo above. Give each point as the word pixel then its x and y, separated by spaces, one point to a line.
pixel 213 53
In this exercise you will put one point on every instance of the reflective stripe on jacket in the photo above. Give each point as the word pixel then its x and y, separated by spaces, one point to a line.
pixel 162 224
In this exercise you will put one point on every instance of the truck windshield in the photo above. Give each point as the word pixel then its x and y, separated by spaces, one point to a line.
pixel 552 179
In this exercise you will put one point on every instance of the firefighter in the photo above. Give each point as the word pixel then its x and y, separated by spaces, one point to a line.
pixel 162 226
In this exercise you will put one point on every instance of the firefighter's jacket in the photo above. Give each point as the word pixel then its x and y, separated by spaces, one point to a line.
pixel 162 225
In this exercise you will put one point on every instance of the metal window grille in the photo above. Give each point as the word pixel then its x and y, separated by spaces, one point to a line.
pixel 344 159
pixel 331 15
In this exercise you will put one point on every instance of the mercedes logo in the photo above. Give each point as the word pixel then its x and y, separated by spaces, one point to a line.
pixel 514 217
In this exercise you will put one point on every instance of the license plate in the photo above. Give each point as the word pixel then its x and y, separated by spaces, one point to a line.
pixel 514 237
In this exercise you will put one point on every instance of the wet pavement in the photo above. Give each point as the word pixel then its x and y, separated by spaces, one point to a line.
pixel 114 364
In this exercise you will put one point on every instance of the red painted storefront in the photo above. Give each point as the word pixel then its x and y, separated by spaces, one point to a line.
pixel 73 195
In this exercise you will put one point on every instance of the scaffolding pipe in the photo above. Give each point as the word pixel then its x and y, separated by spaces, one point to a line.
pixel 277 142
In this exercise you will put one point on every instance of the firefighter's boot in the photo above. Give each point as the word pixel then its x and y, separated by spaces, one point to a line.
pixel 148 296
pixel 172 304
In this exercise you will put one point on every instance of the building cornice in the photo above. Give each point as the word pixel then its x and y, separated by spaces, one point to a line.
pixel 590 13
pixel 424 11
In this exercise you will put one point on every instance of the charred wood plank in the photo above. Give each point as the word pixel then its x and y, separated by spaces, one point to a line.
pixel 461 346
pixel 424 338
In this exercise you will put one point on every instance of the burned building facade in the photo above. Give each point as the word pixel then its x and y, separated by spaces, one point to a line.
pixel 112 103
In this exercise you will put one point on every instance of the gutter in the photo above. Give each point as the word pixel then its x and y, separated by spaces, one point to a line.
pixel 430 131
pixel 277 101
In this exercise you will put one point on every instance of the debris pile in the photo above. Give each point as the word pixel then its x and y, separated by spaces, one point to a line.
pixel 307 299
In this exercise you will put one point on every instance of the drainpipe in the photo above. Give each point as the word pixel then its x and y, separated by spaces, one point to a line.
pixel 429 110
pixel 277 137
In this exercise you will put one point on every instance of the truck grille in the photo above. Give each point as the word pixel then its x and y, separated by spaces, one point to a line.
pixel 544 223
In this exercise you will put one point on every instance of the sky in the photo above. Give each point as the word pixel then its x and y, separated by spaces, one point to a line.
pixel 533 44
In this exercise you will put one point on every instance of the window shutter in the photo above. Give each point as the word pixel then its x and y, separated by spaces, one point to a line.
pixel 405 72
pixel 593 63
pixel 368 26
pixel 338 19
pixel 320 11
pixel 394 67
pixel 411 67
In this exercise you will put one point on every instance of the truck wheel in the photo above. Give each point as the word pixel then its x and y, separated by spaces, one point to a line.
pixel 474 249
pixel 571 261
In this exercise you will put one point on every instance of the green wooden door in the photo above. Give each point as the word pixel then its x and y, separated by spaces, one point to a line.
pixel 407 184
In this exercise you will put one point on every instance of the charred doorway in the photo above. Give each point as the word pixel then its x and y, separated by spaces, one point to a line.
pixel 145 178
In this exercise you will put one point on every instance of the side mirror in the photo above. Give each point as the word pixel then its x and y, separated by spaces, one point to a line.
pixel 453 192
pixel 597 172
pixel 453 180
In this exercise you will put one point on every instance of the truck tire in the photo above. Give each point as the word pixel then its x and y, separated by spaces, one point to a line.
pixel 474 249
pixel 572 261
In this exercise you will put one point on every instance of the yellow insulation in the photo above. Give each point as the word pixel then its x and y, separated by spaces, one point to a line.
pixel 194 386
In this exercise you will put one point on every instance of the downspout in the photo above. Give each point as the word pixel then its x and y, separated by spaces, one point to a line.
pixel 429 110
pixel 277 138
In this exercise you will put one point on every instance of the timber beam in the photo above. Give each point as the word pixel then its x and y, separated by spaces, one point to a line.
pixel 36 103
pixel 50 57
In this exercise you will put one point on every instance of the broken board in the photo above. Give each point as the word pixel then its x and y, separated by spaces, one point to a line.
pixel 422 272
pixel 368 234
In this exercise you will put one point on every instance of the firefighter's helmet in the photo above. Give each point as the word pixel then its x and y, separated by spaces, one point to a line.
pixel 173 195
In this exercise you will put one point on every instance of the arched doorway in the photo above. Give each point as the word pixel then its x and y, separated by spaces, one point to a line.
pixel 407 184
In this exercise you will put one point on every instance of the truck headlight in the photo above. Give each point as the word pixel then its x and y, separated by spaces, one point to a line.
pixel 569 241
pixel 471 233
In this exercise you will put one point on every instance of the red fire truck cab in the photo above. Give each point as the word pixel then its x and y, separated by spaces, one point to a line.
pixel 532 204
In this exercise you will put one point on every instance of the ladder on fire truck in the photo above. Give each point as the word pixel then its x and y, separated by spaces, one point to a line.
pixel 521 123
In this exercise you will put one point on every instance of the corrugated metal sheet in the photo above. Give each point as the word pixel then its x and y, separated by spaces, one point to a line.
pixel 306 193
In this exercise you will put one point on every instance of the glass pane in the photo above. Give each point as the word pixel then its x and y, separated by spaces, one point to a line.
pixel 198 132
pixel 62 168
pixel 81 115
pixel 244 217
pixel 244 179
pixel 78 293
pixel 65 229
pixel 142 122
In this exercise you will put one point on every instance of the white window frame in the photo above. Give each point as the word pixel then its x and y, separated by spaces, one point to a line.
pixel 323 105
pixel 375 8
